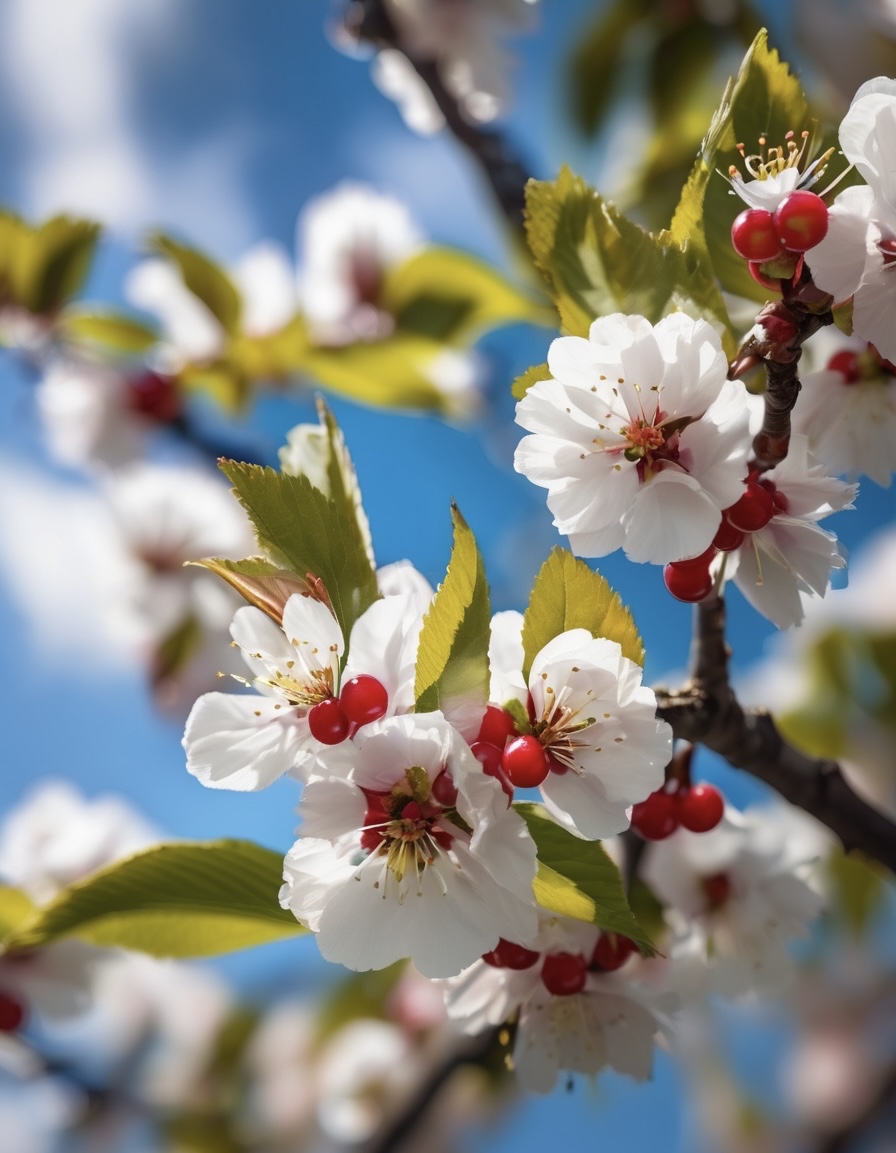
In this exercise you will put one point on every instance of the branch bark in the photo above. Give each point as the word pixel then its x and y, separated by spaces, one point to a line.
pixel 706 711
pixel 369 22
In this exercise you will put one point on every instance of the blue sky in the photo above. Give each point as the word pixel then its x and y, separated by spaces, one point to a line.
pixel 218 121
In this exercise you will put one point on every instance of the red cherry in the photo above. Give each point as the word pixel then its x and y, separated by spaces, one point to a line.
pixel 12 1013
pixel 657 817
pixel 490 756
pixel 754 237
pixel 703 561
pixel 780 501
pixel 847 364
pixel 801 220
pixel 688 582
pixel 327 722
pixel 557 766
pixel 363 699
pixel 525 762
pixel 716 889
pixel 612 951
pixel 497 727
pixel 444 790
pixel 507 955
pixel 155 396
pixel 700 807
pixel 753 510
pixel 778 329
pixel 728 538
pixel 564 974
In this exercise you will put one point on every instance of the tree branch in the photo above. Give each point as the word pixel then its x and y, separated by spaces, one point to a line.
pixel 369 21
pixel 707 712
pixel 470 1051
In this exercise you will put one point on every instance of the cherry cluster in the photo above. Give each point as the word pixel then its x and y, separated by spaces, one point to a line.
pixel 690 580
pixel 155 397
pixel 798 223
pixel 363 699
pixel 516 760
pixel 697 808
pixel 565 974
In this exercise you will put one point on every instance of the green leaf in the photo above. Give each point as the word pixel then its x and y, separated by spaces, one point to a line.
pixel 47 265
pixel 764 100
pixel 176 649
pixel 577 879
pixel 111 331
pixel 531 376
pixel 452 658
pixel 597 262
pixel 205 279
pixel 393 373
pixel 15 909
pixel 858 889
pixel 178 900
pixel 449 296
pixel 567 594
pixel 308 534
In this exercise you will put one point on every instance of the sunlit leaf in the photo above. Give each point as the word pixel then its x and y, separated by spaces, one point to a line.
pixel 567 594
pixel 177 900
pixel 393 373
pixel 450 296
pixel 598 262
pixel 307 533
pixel 577 879
pixel 110 331
pixel 531 376
pixel 15 909
pixel 598 59
pixel 205 279
pixel 452 660
pixel 858 889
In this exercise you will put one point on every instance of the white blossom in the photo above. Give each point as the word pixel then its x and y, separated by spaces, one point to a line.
pixel 638 437
pixel 847 411
pixel 593 717
pixel 612 1022
pixel 246 742
pixel 789 560
pixel 856 256
pixel 737 896
pixel 385 869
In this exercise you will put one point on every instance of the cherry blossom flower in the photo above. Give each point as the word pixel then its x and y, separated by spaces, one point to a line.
pixel 595 720
pixel 408 849
pixel 737 896
pixel 855 257
pixel 776 172
pixel 848 412
pixel 592 1020
pixel 791 558
pixel 349 239
pixel 246 742
pixel 638 437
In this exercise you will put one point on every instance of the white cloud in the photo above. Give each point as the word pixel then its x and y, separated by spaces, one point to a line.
pixel 66 570
pixel 70 72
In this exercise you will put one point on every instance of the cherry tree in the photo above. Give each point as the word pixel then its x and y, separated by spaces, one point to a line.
pixel 502 837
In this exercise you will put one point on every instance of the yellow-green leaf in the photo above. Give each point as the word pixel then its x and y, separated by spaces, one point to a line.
pixel 205 279
pixel 447 295
pixel 567 594
pixel 15 909
pixel 577 879
pixel 452 659
pixel 393 373
pixel 309 534
pixel 178 900
pixel 531 376
pixel 110 331
pixel 858 889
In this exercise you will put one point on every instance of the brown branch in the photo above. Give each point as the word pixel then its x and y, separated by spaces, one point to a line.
pixel 707 712
pixel 369 22
pixel 776 340
pixel 478 1050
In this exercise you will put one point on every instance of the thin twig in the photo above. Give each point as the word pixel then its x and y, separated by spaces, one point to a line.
pixel 368 21
pixel 706 711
